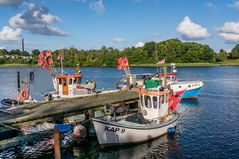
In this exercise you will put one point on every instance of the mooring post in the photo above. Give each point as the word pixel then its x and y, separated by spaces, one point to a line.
pixel 18 82
pixel 57 144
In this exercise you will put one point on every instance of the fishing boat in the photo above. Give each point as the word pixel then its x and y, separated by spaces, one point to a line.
pixel 193 88
pixel 156 117
pixel 66 85
pixel 24 92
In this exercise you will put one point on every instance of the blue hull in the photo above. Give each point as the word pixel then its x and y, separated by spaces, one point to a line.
pixel 194 93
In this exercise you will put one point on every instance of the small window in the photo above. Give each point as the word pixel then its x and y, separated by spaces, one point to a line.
pixel 60 81
pixel 79 80
pixel 147 101
pixel 141 100
pixel 159 101
pixel 162 99
pixel 155 102
pixel 70 81
pixel 64 82
pixel 189 86
pixel 75 81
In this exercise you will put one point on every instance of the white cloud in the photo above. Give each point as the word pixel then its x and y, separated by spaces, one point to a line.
pixel 98 6
pixel 2 47
pixel 9 34
pixel 11 3
pixel 229 32
pixel 235 4
pixel 211 5
pixel 37 20
pixel 228 50
pixel 119 40
pixel 192 31
pixel 139 44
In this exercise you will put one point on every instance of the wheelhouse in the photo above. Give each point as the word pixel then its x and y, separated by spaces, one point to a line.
pixel 153 104
pixel 66 84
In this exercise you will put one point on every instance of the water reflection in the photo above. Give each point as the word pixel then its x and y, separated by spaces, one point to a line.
pixel 158 148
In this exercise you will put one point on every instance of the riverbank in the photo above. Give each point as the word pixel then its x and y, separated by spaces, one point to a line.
pixel 14 65
pixel 226 63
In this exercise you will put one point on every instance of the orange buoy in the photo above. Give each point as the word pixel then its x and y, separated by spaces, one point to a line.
pixel 23 95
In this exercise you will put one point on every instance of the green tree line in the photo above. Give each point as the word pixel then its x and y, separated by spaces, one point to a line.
pixel 173 50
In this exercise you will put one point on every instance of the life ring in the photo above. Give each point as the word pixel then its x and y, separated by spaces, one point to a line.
pixel 23 95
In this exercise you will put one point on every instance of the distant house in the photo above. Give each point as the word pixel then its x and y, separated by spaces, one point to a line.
pixel 2 56
pixel 7 56
pixel 25 57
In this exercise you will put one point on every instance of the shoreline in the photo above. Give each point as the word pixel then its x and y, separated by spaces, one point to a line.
pixel 234 63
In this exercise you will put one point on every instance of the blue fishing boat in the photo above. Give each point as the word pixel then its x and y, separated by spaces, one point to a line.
pixel 193 88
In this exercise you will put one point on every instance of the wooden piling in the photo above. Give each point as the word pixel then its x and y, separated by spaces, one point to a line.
pixel 57 144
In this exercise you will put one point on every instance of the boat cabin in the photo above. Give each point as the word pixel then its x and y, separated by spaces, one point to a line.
pixel 66 84
pixel 154 99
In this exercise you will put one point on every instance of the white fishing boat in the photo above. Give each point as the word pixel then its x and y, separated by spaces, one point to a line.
pixel 65 85
pixel 156 117
pixel 24 92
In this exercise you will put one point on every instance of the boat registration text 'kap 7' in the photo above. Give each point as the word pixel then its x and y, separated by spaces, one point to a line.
pixel 114 129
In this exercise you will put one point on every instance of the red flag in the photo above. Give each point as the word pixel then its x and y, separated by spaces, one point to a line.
pixel 48 53
pixel 45 59
pixel 123 63
pixel 161 61
pixel 175 99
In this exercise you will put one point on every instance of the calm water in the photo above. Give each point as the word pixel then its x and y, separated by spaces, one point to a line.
pixel 209 128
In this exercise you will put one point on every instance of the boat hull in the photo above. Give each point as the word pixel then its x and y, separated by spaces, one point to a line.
pixel 113 134
pixel 193 93
pixel 193 88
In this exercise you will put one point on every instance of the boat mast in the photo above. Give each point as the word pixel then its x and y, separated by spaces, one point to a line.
pixel 156 52
pixel 62 71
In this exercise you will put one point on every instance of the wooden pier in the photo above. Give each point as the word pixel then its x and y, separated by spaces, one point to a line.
pixel 68 107
pixel 55 111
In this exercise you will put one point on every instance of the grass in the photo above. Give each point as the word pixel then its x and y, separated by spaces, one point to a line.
pixel 13 65
pixel 225 63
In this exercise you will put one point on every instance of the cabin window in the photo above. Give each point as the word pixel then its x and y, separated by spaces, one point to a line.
pixel 60 81
pixel 162 99
pixel 147 102
pixel 155 102
pixel 64 82
pixel 79 80
pixel 141 100
pixel 189 86
pixel 159 101
pixel 75 81
pixel 70 81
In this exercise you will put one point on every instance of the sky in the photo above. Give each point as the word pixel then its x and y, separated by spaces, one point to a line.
pixel 91 24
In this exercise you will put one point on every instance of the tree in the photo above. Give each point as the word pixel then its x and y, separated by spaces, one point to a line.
pixel 235 52
pixel 35 52
pixel 221 56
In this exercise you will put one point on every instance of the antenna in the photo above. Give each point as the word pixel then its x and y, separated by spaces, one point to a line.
pixel 156 36
pixel 61 53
